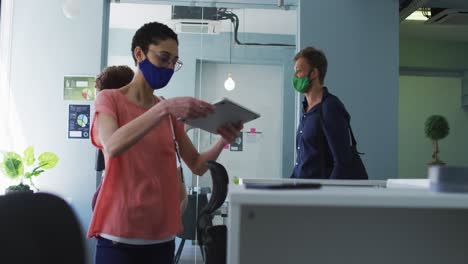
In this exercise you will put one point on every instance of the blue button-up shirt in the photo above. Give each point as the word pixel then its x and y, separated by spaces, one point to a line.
pixel 335 136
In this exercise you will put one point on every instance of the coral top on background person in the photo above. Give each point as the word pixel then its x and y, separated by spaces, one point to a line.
pixel 112 77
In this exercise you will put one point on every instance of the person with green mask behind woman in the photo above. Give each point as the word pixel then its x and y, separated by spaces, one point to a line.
pixel 322 138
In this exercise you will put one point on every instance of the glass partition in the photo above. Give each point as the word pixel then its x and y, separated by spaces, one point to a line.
pixel 253 44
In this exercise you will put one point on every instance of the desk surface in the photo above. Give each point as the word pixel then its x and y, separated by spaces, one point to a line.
pixel 348 196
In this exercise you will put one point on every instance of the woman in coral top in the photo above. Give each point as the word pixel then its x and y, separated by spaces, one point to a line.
pixel 137 213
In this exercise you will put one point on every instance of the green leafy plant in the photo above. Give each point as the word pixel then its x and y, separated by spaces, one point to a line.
pixel 235 180
pixel 26 167
pixel 436 128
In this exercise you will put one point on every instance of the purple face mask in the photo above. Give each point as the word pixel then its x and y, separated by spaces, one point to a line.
pixel 157 77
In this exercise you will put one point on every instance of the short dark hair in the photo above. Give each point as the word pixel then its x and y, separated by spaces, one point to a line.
pixel 151 33
pixel 114 77
pixel 316 59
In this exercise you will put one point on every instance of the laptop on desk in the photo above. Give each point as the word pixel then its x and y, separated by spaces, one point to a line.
pixel 338 183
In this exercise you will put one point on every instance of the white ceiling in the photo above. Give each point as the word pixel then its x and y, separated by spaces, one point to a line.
pixel 258 20
pixel 448 3
pixel 222 3
pixel 264 2
pixel 268 21
pixel 419 30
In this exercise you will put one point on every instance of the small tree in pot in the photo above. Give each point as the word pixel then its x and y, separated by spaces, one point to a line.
pixel 14 166
pixel 436 128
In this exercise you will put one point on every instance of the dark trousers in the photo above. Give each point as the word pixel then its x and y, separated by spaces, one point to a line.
pixel 109 252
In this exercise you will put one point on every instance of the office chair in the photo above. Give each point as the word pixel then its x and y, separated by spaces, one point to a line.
pixel 99 167
pixel 212 239
pixel 189 220
pixel 39 228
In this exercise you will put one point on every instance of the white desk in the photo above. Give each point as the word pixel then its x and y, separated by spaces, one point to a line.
pixel 336 225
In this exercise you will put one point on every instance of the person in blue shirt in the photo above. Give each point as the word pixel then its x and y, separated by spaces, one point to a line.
pixel 322 138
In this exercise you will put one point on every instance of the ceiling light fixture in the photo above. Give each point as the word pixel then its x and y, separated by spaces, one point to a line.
pixel 230 84
pixel 418 15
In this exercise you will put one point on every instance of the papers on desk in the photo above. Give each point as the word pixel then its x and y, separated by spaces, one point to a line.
pixel 408 183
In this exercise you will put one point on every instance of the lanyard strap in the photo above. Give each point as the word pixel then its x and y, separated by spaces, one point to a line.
pixel 176 147
pixel 176 143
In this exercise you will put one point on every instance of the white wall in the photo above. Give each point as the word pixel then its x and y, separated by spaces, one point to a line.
pixel 46 46
pixel 259 88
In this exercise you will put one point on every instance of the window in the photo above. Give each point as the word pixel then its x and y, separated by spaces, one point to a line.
pixel 5 44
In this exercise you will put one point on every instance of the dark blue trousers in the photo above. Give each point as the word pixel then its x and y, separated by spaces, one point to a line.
pixel 109 252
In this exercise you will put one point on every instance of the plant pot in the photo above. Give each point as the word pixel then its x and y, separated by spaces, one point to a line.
pixel 20 188
pixel 7 191
pixel 436 163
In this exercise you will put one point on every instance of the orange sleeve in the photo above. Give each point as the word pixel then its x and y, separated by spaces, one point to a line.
pixel 104 104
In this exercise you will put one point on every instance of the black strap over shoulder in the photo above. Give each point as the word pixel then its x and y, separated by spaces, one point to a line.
pixel 322 123
pixel 323 140
pixel 322 143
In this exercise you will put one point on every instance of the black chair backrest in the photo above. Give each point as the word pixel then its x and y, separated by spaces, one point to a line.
pixel 39 228
pixel 219 191
pixel 100 164
pixel 211 239
pixel 196 202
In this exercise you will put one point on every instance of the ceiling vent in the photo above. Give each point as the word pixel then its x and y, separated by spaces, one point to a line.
pixel 449 17
pixel 196 27
pixel 194 12
pixel 195 19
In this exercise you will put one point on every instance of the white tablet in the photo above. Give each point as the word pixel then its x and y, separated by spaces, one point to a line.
pixel 226 111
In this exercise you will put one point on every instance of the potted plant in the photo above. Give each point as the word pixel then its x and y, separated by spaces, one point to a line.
pixel 436 128
pixel 26 167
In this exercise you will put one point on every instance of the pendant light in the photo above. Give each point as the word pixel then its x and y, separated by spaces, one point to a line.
pixel 230 84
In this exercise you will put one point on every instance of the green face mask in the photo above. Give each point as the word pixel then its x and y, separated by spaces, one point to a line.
pixel 301 84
